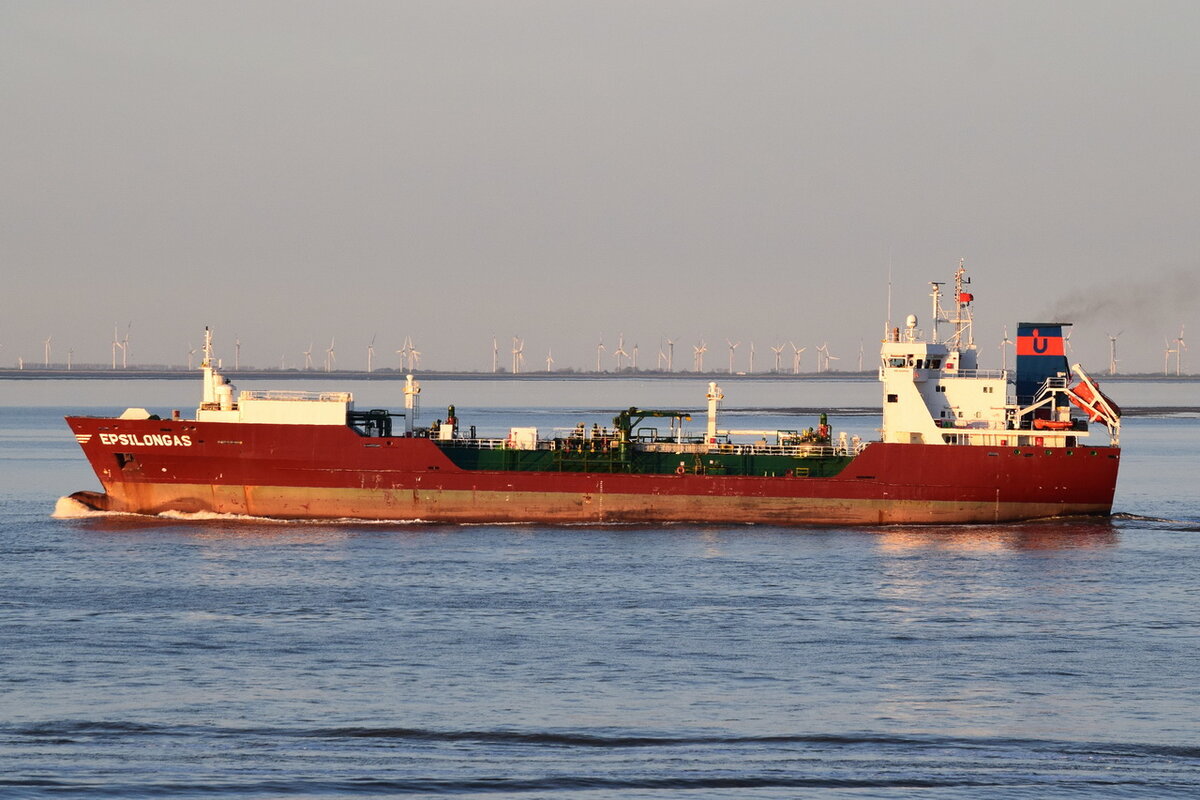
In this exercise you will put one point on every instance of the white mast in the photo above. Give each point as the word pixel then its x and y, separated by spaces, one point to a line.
pixel 714 398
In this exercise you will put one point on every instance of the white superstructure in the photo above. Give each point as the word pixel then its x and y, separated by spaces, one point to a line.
pixel 276 406
pixel 934 392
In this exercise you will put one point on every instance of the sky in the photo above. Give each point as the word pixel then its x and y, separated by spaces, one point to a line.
pixel 296 173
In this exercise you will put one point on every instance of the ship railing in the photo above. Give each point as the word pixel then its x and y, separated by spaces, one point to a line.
pixel 796 451
pixel 998 374
pixel 295 395
pixel 476 444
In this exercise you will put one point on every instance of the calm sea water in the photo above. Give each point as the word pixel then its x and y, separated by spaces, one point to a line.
pixel 221 658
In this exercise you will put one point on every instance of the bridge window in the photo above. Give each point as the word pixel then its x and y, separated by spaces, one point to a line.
pixel 893 398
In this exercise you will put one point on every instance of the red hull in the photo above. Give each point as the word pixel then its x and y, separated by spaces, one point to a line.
pixel 329 471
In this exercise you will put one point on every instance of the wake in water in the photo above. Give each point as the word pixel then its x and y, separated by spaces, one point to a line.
pixel 70 508
pixel 1140 521
pixel 609 761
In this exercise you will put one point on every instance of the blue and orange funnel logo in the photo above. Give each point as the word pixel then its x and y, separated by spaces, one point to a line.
pixel 1041 354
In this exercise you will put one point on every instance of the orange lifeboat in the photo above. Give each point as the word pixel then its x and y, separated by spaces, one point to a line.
pixel 1051 425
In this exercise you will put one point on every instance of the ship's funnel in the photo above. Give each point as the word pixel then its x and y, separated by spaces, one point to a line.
pixel 1041 354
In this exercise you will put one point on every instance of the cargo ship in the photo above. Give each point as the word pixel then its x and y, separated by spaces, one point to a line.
pixel 958 444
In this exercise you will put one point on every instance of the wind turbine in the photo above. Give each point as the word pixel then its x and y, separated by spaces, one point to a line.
pixel 1112 352
pixel 732 349
pixel 408 355
pixel 796 351
pixel 329 357
pixel 778 351
pixel 829 357
pixel 1004 343
pixel 860 355
pixel 237 353
pixel 620 353
pixel 414 355
pixel 46 358
pixel 125 349
pixel 308 356
pixel 495 355
pixel 751 356
pixel 670 355
pixel 823 357
pixel 549 359
pixel 1166 354
pixel 191 352
pixel 116 343
pixel 698 356
pixel 518 355
pixel 371 354
pixel 1180 346
pixel 662 357
pixel 599 352
pixel 70 355
pixel 635 354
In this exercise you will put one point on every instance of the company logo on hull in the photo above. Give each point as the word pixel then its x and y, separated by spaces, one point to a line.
pixel 83 438
pixel 146 440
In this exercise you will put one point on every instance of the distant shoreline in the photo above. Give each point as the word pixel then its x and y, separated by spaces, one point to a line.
pixel 397 375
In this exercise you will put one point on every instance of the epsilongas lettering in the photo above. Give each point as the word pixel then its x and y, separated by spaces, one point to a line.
pixel 146 439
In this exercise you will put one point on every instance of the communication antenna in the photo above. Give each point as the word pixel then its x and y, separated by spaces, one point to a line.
pixel 208 348
pixel 887 326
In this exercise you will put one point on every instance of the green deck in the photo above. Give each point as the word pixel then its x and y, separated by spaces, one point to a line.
pixel 638 462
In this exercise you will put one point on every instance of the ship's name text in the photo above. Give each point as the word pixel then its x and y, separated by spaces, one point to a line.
pixel 146 439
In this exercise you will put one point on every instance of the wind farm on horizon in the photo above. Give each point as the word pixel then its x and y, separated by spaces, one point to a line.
pixel 622 359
